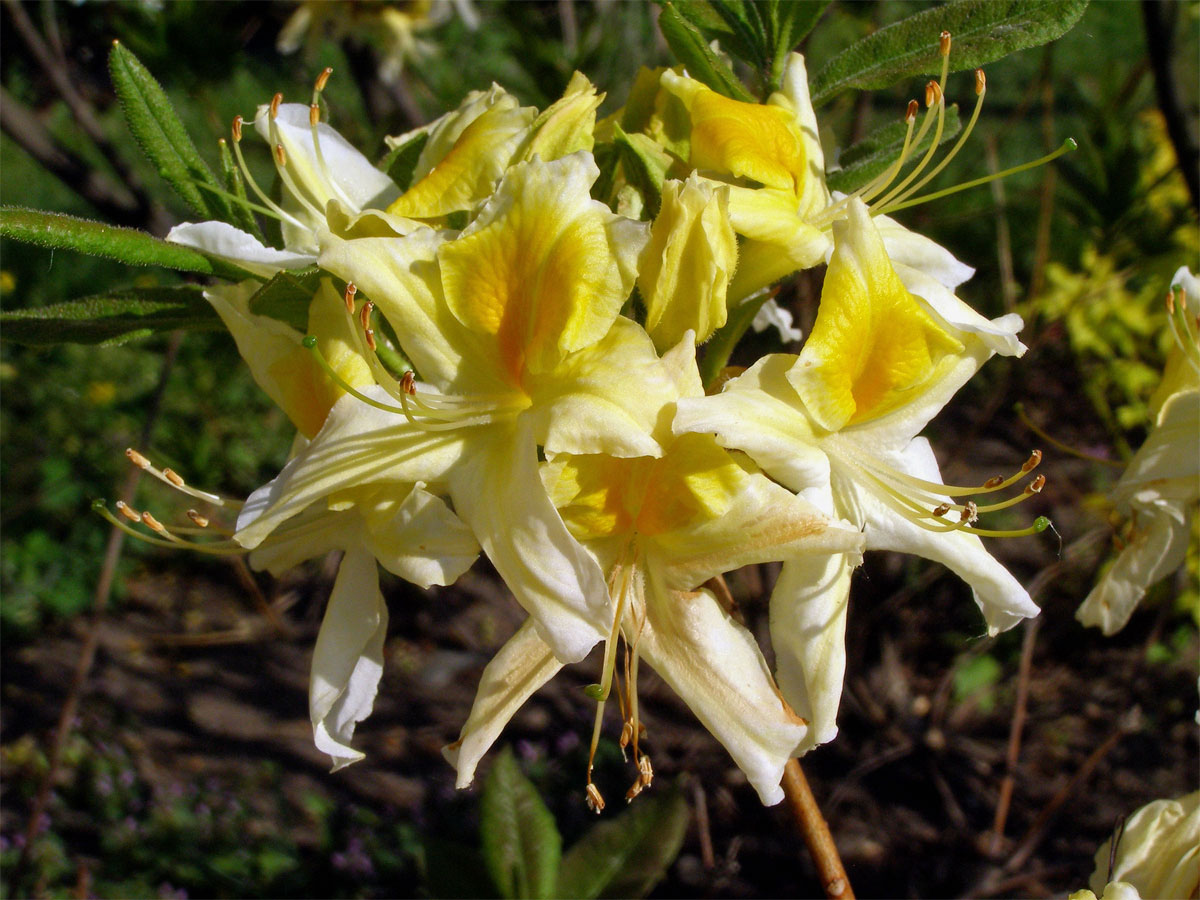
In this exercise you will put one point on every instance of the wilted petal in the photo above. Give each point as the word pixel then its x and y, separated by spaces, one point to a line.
pixel 233 245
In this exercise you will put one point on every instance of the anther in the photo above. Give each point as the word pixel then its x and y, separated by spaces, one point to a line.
pixel 322 79
pixel 626 735
pixel 970 512
pixel 407 385
pixel 197 518
pixel 369 334
pixel 154 524
pixel 364 315
pixel 173 477
pixel 994 482
pixel 645 770
pixel 1171 301
pixel 1032 463
pixel 933 93
pixel 634 790
pixel 275 101
pixel 1035 486
pixel 280 155
pixel 941 510
pixel 594 801
pixel 314 115
pixel 128 511
pixel 910 114
pixel 351 290
pixel 237 129
pixel 980 82
pixel 137 459
pixel 944 44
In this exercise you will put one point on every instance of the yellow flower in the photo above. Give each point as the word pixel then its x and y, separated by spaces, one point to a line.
pixel 661 527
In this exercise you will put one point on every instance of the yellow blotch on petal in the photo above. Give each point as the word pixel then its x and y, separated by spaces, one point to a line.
pixel 568 124
pixel 604 496
pixel 873 344
pixel 747 140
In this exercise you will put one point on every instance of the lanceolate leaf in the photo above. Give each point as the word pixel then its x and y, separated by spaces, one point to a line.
pixel 287 297
pixel 153 121
pixel 691 49
pixel 521 845
pixel 627 856
pixel 736 24
pixel 789 22
pixel 878 150
pixel 402 160
pixel 111 318
pixel 126 245
pixel 982 31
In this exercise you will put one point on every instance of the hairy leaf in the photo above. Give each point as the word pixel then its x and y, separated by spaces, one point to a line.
pixel 287 297
pixel 164 140
pixel 521 844
pixel 62 232
pixel 878 150
pixel 690 48
pixel 789 22
pixel 629 855
pixel 112 318
pixel 982 30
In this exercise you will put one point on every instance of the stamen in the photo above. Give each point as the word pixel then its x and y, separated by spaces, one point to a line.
pixel 351 290
pixel 275 103
pixel 154 525
pixel 137 459
pixel 407 383
pixel 273 208
pixel 322 79
pixel 237 129
pixel 176 482
pixel 173 478
pixel 594 801
pixel 314 119
pixel 128 511
pixel 944 43
pixel 201 521
pixel 314 115
pixel 280 156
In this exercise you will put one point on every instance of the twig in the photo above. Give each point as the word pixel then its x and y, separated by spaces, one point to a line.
pixel 815 831
pixel 1158 40
pixel 708 859
pixel 87 653
pixel 1014 736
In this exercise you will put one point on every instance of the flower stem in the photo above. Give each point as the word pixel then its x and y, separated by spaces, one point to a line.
pixel 815 831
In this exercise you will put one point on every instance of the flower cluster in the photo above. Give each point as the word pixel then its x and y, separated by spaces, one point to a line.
pixel 501 355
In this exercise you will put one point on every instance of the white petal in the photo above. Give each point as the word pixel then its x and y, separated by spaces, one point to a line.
pixel 908 248
pixel 499 493
pixel 999 334
pixel 1000 596
pixel 521 666
pixel 714 664
pixel 233 245
pixel 772 315
pixel 808 633
pixel 1157 548
pixel 348 657
pixel 423 541
pixel 357 445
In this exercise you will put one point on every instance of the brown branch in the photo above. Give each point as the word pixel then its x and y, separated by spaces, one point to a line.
pixel 1158 46
pixel 87 653
pixel 815 831
pixel 1014 736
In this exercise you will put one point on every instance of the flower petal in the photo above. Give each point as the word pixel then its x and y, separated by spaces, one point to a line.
pixel 520 667
pixel 499 493
pixel 808 634
pixel 1000 596
pixel 233 245
pixel 348 657
pixel 420 539
pixel 714 664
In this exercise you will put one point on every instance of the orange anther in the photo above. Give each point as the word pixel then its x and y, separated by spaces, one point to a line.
pixel 314 115
pixel 406 382
pixel 128 511
pixel 1035 486
pixel 351 290
pixel 980 82
pixel 275 101
pixel 153 523
pixel 137 459
pixel 173 477
pixel 280 155
pixel 944 43
pixel 994 481
pixel 237 129
pixel 1032 463
pixel 322 79
pixel 910 114
pixel 197 518
pixel 941 510
pixel 594 801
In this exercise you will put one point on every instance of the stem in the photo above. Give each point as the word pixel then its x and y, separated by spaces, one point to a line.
pixel 815 831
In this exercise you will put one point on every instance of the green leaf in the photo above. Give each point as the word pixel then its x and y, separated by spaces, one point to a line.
pixel 645 165
pixel 629 855
pixel 287 297
pixel 111 318
pixel 61 232
pixel 878 150
pixel 691 49
pixel 521 844
pixel 162 137
pixel 736 24
pixel 789 22
pixel 402 160
pixel 982 30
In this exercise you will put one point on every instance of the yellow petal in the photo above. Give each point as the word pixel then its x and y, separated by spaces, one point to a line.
pixel 544 269
pixel 746 140
pixel 567 125
pixel 684 271
pixel 873 346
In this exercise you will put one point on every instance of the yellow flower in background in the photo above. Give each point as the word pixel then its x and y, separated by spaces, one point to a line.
pixel 684 271
pixel 1157 854
pixel 661 527
pixel 1160 488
